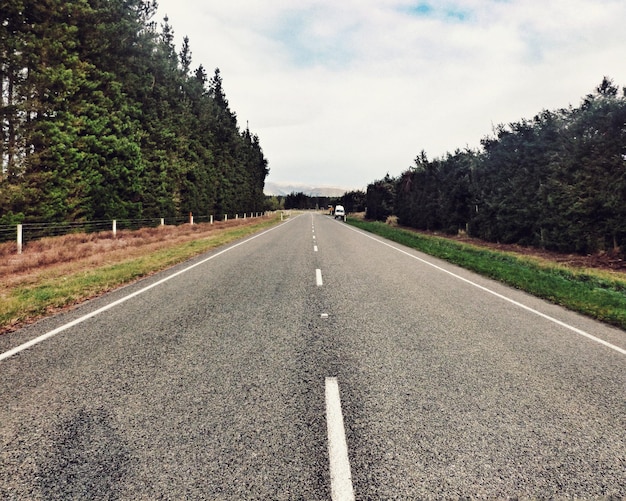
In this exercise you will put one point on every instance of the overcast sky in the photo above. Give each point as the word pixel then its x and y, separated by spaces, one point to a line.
pixel 341 92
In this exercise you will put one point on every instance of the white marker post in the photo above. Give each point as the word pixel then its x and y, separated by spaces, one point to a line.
pixel 19 239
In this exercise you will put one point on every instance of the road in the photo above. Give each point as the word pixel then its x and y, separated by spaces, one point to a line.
pixel 213 379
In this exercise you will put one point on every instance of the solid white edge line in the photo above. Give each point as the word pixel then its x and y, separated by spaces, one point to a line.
pixel 339 464
pixel 43 337
pixel 318 277
pixel 505 298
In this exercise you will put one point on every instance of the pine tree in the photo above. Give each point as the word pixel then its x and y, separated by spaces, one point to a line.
pixel 102 118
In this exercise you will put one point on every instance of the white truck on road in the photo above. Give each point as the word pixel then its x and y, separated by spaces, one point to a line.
pixel 340 212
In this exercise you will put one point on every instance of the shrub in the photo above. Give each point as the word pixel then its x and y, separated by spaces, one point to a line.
pixel 392 221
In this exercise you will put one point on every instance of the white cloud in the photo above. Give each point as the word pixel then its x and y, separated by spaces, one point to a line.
pixel 340 93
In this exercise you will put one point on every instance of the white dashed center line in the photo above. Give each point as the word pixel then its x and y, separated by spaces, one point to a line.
pixel 340 475
pixel 318 277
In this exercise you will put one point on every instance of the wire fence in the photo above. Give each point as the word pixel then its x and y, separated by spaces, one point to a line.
pixel 28 232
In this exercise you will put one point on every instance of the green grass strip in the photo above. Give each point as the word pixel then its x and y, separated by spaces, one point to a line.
pixel 597 294
pixel 49 294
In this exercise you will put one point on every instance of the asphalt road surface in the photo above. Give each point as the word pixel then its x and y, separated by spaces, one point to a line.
pixel 311 361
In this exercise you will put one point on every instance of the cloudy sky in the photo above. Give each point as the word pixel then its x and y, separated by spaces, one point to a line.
pixel 341 92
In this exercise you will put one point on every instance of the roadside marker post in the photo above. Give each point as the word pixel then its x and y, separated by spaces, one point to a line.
pixel 19 239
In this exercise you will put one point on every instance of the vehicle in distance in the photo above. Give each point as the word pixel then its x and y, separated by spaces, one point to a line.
pixel 340 212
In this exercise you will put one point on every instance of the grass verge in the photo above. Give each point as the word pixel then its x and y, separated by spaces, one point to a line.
pixel 597 294
pixel 57 288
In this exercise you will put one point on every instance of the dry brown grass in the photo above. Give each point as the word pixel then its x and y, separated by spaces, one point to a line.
pixel 392 221
pixel 54 274
pixel 56 256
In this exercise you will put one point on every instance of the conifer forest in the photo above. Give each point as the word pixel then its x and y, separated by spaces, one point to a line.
pixel 102 117
pixel 557 181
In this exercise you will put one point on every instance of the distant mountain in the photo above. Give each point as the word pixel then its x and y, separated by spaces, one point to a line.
pixel 283 189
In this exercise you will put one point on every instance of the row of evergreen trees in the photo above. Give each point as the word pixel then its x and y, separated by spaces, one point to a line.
pixel 557 181
pixel 352 201
pixel 102 118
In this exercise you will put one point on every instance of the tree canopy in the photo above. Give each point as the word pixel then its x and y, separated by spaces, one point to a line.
pixel 557 181
pixel 101 117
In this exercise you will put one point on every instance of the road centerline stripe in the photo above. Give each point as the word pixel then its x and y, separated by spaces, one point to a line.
pixel 318 277
pixel 340 475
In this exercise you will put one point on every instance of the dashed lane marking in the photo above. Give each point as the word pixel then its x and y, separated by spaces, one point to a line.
pixel 340 475
pixel 318 277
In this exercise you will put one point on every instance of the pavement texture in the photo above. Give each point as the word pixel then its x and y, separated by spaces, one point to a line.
pixel 211 384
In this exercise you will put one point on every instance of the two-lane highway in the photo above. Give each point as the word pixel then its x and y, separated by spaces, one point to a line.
pixel 236 379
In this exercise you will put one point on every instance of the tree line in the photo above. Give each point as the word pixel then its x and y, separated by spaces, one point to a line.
pixel 101 117
pixel 557 182
pixel 353 201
